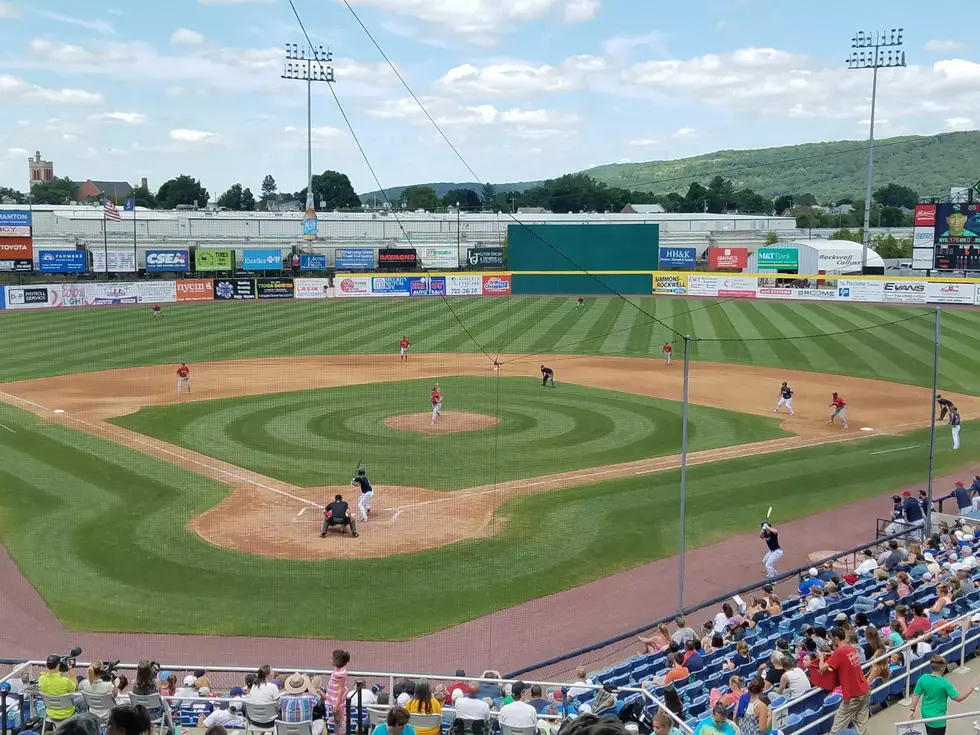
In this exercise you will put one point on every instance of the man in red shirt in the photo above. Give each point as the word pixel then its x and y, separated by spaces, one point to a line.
pixel 436 399
pixel 844 661
pixel 403 348
pixel 840 409
pixel 667 349
pixel 183 378
pixel 920 622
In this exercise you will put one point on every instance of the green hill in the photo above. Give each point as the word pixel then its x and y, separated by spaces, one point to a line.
pixel 928 164
pixel 443 187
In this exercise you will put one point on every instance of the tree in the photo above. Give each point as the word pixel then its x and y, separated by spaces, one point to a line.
pixel 420 197
pixel 721 194
pixel 489 194
pixel 772 237
pixel 248 201
pixel 231 199
pixel 182 190
pixel 783 203
pixel 56 191
pixel 891 247
pixel 892 217
pixel 333 189
pixel 845 234
pixel 696 199
pixel 143 198
pixel 748 202
pixel 844 200
pixel 467 198
pixel 804 200
pixel 895 195
pixel 17 197
pixel 270 190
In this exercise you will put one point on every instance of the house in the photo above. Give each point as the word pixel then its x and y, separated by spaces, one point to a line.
pixel 89 189
pixel 841 210
pixel 533 210
pixel 643 209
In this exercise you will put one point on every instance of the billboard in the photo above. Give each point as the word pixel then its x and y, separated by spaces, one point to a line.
pixel 925 216
pixel 775 258
pixel 685 258
pixel 838 260
pixel 111 294
pixel 354 259
pixel 61 261
pixel 311 288
pixel 32 297
pixel 439 257
pixel 267 259
pixel 390 285
pixel 274 288
pixel 427 286
pixel 397 258
pixel 195 289
pixel 312 262
pixel 16 266
pixel 849 289
pixel 237 289
pixel 464 285
pixel 958 224
pixel 119 261
pixel 485 258
pixel 903 292
pixel 15 219
pixel 923 259
pixel 173 261
pixel 496 285
pixel 949 293
pixel 728 258
pixel 72 294
pixel 157 292
pixel 669 284
pixel 16 248
pixel 353 286
pixel 15 231
pixel 214 260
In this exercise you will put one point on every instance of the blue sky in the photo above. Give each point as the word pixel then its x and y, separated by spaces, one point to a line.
pixel 526 89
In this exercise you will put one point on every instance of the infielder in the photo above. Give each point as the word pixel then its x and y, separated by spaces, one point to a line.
pixel 785 398
pixel 771 536
pixel 840 409
pixel 547 374
pixel 945 406
pixel 403 348
pixel 367 492
pixel 667 349
pixel 183 378
pixel 954 422
pixel 436 399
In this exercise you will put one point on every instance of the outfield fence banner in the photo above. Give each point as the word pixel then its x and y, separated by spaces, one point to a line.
pixel 16 266
pixel 675 284
pixel 310 288
pixel 353 286
pixel 16 248
pixel 274 288
pixel 214 260
pixel 168 261
pixel 734 287
pixel 157 292
pixel 72 294
pixel 312 262
pixel 799 294
pixel 266 259
pixel 111 294
pixel 237 289
pixel 682 258
pixel 390 285
pixel 397 258
pixel 485 257
pixel 15 231
pixel 15 219
pixel 464 285
pixel 62 261
pixel 3 297
pixel 850 289
pixel 432 257
pixel 195 289
pixel 904 292
pixel 497 285
pixel 354 259
pixel 32 297
pixel 950 293
pixel 728 258
pixel 427 286
pixel 118 261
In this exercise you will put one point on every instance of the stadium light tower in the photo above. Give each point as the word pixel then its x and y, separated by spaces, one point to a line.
pixel 308 65
pixel 874 50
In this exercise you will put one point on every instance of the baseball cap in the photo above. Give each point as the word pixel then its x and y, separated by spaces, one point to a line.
pixel 927 576
pixel 959 484
pixel 841 617
pixel 907 493
pixel 190 680
pixel 517 689
pixel 236 692
pixel 812 571
pixel 956 208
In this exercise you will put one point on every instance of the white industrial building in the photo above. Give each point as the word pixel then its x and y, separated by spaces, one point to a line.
pixel 814 257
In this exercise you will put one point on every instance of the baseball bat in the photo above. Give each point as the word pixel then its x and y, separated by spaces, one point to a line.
pixel 769 514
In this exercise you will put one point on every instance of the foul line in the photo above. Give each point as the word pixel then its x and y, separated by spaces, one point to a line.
pixel 4 426
pixel 899 449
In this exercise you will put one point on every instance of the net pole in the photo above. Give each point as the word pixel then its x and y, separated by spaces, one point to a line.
pixel 932 433
pixel 684 405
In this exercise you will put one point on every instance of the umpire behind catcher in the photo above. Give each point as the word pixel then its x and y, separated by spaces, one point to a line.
pixel 338 513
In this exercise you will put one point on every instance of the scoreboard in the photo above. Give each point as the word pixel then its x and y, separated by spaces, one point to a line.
pixel 957 239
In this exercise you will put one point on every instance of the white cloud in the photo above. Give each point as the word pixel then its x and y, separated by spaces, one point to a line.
pixel 99 26
pixel 643 143
pixel 945 46
pixel 620 47
pixel 289 129
pixel 186 37
pixel 130 118
pixel 686 133
pixel 15 152
pixel 9 11
pixel 959 123
pixel 191 136
pixel 518 79
pixel 16 88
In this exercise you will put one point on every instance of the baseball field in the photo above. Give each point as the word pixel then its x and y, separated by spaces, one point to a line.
pixel 200 512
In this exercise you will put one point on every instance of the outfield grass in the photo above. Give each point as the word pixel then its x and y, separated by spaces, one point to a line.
pixel 99 527
pixel 315 437
pixel 70 341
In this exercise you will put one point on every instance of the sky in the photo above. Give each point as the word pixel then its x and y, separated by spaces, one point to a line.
pixel 524 89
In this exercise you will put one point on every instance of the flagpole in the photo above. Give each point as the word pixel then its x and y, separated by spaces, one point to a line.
pixel 105 240
pixel 136 265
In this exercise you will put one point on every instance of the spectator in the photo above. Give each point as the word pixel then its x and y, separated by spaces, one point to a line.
pixel 407 693
pixel 263 691
pixel 830 593
pixel 827 572
pixel 94 683
pixel 122 689
pixel 592 725
pixel 793 683
pixel 892 556
pixel 757 611
pixel 677 672
pixel 879 670
pixel 203 680
pixel 369 696
pixel 739 658
pixel 868 565
pixel 297 702
pixel 873 645
pixel 188 691
pixel 145 685
pixel 226 714
pixel 537 700
pixel 904 584
pixel 717 724
pixel 931 566
pixel 492 689
pixel 53 682
pixel 810 580
pixel 816 600
pixel 129 720
pixel 933 691
pixel 396 723
pixel 672 702
pixel 518 713
pixel 84 724
pixel 657 642
pixel 721 619
pixel 736 685
pixel 757 717
pixel 170 688
pixel 692 659
pixel 855 705
pixel 459 685
pixel 423 703
pixel 470 707
pixel 336 694
pixel 775 605
pixel 663 725
pixel 920 622
pixel 944 597
pixel 683 632
pixel 716 643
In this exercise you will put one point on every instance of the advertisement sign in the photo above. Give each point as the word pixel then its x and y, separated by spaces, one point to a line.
pixel 15 219
pixel 310 224
pixel 3 297
pixel 195 289
pixel 268 259
pixel 274 288
pixel 904 292
pixel 923 259
pixel 703 285
pixel 922 237
pixel 685 258
pixel 737 287
pixel 728 258
pixel 214 260
pixel 815 294
pixel 395 258
pixel 849 289
pixel 16 266
pixel 61 261
pixel 439 257
pixel 72 294
pixel 354 259
pixel 32 297
pixel 353 286
pixel 958 224
pixel 669 284
pixel 390 285
pixel 312 262
pixel 831 261
pixel 925 216
pixel 464 285
pixel 949 293
pixel 485 258
pixel 770 258
pixel 238 289
pixel 173 261
pixel 775 293
pixel 15 231
pixel 111 294
pixel 310 288
pixel 427 286
pixel 119 261
pixel 496 285
pixel 16 248
pixel 157 292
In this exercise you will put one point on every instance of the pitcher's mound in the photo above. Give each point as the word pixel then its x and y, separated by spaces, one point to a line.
pixel 449 422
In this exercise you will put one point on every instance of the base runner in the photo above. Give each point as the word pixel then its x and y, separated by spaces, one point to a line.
pixel 436 399
pixel 183 378
pixel 785 398
pixel 667 349
pixel 771 536
pixel 367 492
pixel 403 348
pixel 840 409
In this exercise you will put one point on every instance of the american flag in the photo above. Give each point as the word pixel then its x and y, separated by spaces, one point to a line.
pixel 110 212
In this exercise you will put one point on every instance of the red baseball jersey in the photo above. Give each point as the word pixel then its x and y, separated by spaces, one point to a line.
pixel 183 371
pixel 404 343
pixel 436 397
pixel 839 402
pixel 156 307
pixel 668 349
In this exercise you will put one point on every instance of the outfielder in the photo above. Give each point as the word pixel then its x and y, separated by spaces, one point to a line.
pixel 403 348
pixel 183 378
pixel 771 536
pixel 945 406
pixel 785 398
pixel 367 492
pixel 667 349
pixel 436 399
pixel 840 409
pixel 954 422
pixel 547 374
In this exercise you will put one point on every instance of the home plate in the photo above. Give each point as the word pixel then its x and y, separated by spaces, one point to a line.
pixel 866 428
pixel 59 410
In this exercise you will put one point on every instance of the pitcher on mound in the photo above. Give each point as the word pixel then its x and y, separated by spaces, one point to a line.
pixel 436 399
